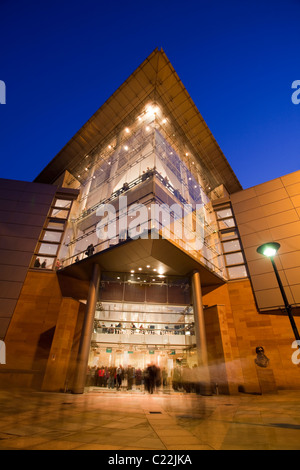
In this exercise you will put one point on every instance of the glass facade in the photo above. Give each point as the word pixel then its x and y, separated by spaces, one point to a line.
pixel 144 320
pixel 144 182
pixel 151 166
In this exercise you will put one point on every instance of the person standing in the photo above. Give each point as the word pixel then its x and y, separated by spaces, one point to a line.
pixel 165 377
pixel 119 373
pixel 130 376
pixel 152 374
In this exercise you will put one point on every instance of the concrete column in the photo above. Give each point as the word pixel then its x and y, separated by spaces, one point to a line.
pixel 87 331
pixel 200 334
pixel 199 320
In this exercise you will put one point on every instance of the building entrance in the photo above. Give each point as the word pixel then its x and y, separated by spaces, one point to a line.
pixel 132 336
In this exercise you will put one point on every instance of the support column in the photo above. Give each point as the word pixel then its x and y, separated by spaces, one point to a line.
pixel 200 333
pixel 87 331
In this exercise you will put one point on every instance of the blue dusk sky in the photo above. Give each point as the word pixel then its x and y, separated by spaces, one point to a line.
pixel 61 60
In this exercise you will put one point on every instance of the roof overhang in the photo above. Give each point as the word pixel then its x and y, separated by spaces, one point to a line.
pixel 157 80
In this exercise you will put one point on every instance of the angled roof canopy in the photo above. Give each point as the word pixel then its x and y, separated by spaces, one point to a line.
pixel 157 80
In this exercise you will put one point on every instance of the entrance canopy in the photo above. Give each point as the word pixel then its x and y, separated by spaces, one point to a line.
pixel 154 257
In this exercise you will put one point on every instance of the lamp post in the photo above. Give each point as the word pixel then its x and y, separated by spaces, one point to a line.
pixel 270 250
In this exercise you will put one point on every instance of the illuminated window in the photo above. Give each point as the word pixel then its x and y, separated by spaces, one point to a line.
pixel 227 223
pixel 50 236
pixel 224 213
pixel 48 249
pixel 234 258
pixel 233 245
pixel 237 272
pixel 229 235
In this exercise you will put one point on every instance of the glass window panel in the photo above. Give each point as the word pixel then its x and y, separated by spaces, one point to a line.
pixel 231 246
pixel 60 214
pixel 63 203
pixel 222 214
pixel 52 224
pixel 235 258
pixel 48 249
pixel 237 272
pixel 229 235
pixel 43 263
pixel 227 223
pixel 50 236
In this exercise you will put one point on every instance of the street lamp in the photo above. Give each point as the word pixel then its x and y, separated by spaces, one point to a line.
pixel 270 250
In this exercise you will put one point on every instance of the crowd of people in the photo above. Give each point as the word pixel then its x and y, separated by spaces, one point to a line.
pixel 125 378
pixel 120 328
pixel 182 379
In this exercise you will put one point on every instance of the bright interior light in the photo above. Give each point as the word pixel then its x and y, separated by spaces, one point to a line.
pixel 127 130
pixel 152 110
pixel 125 147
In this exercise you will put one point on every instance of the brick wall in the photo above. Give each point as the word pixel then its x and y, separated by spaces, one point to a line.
pixel 242 330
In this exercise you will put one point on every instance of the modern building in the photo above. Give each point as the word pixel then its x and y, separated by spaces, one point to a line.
pixel 137 245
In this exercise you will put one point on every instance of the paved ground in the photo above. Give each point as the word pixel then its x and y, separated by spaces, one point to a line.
pixel 136 421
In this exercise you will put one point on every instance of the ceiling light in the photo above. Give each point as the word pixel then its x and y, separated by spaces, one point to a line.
pixel 132 271
pixel 125 147
pixel 148 265
pixel 127 130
